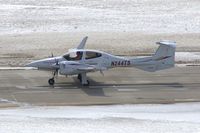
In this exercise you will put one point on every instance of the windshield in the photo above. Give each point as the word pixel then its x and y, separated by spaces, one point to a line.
pixel 73 56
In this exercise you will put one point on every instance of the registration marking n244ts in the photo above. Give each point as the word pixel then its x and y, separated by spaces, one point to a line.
pixel 121 63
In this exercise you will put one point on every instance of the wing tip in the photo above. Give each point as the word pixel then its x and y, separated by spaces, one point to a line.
pixel 83 42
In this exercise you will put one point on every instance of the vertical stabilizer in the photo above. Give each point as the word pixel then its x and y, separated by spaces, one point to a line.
pixel 165 52
pixel 164 58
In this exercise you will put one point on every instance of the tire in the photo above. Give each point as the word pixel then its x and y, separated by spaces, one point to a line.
pixel 51 81
pixel 88 83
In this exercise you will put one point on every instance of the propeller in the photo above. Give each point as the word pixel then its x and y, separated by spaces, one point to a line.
pixel 57 69
pixel 102 69
pixel 51 56
pixel 101 72
pixel 55 73
pixel 56 61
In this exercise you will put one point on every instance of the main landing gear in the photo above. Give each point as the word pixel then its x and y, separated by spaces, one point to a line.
pixel 83 79
pixel 86 84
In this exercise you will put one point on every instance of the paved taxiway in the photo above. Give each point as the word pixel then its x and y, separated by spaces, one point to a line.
pixel 118 86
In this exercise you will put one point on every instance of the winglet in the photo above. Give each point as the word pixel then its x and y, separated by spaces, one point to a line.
pixel 82 44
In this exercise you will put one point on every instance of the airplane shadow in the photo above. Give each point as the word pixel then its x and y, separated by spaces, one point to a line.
pixel 97 88
pixel 90 90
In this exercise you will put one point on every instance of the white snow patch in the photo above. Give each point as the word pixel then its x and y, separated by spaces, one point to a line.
pixel 144 16
pixel 88 119
pixel 187 56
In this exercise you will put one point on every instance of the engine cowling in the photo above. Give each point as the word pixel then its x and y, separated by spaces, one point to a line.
pixel 69 67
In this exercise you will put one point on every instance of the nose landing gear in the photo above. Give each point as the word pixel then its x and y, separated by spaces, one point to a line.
pixel 51 81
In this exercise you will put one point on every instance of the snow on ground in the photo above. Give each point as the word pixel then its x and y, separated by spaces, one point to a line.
pixel 187 57
pixel 147 16
pixel 180 118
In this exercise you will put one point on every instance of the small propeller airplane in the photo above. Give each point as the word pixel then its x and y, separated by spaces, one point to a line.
pixel 80 61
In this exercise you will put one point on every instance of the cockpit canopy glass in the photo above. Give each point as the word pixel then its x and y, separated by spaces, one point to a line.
pixel 74 56
pixel 91 55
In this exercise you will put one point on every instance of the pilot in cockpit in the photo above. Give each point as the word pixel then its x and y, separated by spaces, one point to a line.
pixel 76 55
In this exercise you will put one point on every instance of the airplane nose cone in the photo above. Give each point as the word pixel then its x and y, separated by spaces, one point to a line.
pixel 32 64
pixel 43 64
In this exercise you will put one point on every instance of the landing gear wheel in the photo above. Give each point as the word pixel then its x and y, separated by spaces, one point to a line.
pixel 88 83
pixel 51 81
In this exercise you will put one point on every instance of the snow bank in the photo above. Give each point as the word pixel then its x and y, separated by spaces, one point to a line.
pixel 187 57
pixel 122 118
pixel 155 16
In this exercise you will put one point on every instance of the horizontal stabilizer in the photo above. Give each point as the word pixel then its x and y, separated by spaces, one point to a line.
pixel 166 42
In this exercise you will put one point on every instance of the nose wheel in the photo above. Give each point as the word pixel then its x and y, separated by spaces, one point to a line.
pixel 51 81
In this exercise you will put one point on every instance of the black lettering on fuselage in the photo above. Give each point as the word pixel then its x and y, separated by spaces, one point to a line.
pixel 121 63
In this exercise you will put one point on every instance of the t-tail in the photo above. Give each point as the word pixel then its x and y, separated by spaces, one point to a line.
pixel 164 58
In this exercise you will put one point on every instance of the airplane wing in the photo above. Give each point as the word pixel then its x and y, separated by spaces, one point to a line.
pixel 91 69
pixel 86 69
pixel 82 44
